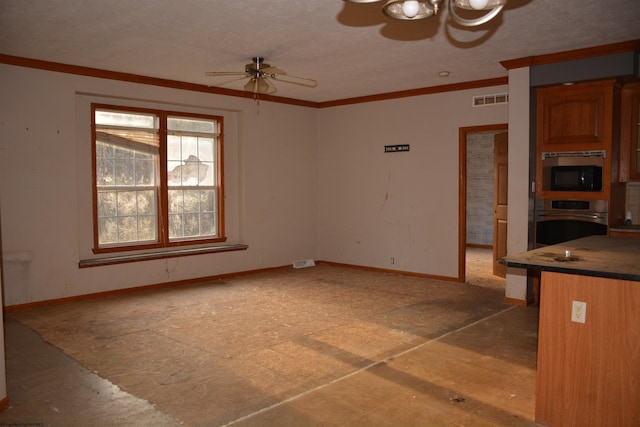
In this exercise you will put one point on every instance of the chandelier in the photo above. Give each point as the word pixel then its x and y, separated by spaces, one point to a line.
pixel 421 9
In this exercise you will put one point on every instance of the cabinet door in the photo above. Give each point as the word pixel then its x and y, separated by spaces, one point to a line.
pixel 576 117
pixel 630 133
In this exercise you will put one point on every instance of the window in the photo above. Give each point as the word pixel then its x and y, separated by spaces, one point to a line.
pixel 157 179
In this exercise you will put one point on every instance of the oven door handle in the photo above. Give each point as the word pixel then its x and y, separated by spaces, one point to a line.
pixel 573 215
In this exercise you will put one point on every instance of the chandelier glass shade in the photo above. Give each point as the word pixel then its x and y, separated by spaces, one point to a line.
pixel 420 9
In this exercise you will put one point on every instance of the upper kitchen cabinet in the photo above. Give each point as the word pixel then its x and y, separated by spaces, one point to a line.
pixel 576 117
pixel 575 133
pixel 629 133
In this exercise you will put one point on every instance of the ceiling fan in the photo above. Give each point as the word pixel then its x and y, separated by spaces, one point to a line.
pixel 260 77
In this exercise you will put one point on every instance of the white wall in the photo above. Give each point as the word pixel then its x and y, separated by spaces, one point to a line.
pixel 519 187
pixel 374 206
pixel 45 182
pixel 302 183
pixel 3 371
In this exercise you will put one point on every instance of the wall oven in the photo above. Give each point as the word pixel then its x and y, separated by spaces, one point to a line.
pixel 559 220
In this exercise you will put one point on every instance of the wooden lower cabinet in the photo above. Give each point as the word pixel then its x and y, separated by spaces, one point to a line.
pixel 588 373
pixel 624 234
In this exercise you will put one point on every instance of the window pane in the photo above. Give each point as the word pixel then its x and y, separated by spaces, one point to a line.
pixel 125 172
pixel 145 172
pixel 146 202
pixel 190 161
pixel 207 200
pixel 127 202
pixel 206 149
pixel 192 213
pixel 123 153
pixel 107 230
pixel 189 146
pixel 175 226
pixel 190 172
pixel 107 203
pixel 191 201
pixel 105 171
pixel 191 224
pixel 175 201
pixel 208 224
pixel 117 166
pixel 147 228
pixel 127 229
pixel 114 118
pixel 192 125
pixel 104 150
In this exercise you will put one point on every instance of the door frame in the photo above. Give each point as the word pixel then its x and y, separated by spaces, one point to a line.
pixel 462 191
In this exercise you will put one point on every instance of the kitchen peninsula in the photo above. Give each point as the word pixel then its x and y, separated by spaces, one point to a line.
pixel 588 371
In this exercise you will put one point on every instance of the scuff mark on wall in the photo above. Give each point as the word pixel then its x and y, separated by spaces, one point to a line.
pixel 386 194
pixel 384 202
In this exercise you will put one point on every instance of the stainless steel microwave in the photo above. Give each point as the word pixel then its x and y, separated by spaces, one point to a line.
pixel 576 178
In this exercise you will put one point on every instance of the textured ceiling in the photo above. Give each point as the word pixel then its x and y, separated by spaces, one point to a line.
pixel 350 49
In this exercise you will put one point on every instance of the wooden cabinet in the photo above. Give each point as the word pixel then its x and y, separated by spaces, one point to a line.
pixel 629 133
pixel 576 118
pixel 624 234
pixel 588 372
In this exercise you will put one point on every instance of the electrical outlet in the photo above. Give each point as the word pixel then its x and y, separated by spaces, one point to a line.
pixel 578 311
pixel 393 260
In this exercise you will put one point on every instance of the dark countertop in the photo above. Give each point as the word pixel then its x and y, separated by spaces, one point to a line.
pixel 612 257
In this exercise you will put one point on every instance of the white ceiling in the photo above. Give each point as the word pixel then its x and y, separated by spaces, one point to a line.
pixel 350 49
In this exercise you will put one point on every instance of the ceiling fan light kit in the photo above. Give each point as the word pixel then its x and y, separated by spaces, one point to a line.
pixel 420 9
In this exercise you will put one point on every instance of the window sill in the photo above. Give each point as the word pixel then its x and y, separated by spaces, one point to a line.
pixel 121 259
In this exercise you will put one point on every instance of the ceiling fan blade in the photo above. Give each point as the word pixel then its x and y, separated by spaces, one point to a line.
pixel 227 81
pixel 295 80
pixel 226 73
pixel 273 70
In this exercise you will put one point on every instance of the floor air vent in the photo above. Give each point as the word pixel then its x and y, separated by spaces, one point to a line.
pixel 482 100
pixel 303 263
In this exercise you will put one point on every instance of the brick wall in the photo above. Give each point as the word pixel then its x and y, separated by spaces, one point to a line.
pixel 480 188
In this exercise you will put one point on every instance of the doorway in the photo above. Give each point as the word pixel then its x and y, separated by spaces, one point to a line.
pixel 478 209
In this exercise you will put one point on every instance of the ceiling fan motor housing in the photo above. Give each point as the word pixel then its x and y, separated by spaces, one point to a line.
pixel 257 65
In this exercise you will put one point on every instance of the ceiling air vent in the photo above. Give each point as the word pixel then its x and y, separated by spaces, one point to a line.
pixel 482 100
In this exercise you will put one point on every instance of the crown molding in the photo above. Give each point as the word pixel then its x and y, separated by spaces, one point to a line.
pixel 589 52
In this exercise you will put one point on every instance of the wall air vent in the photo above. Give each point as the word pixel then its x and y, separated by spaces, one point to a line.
pixel 592 153
pixel 483 100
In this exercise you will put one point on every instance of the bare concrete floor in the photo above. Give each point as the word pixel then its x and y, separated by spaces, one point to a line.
pixel 326 346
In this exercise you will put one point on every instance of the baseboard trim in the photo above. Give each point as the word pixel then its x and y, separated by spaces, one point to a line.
pixel 388 270
pixel 515 301
pixel 117 292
